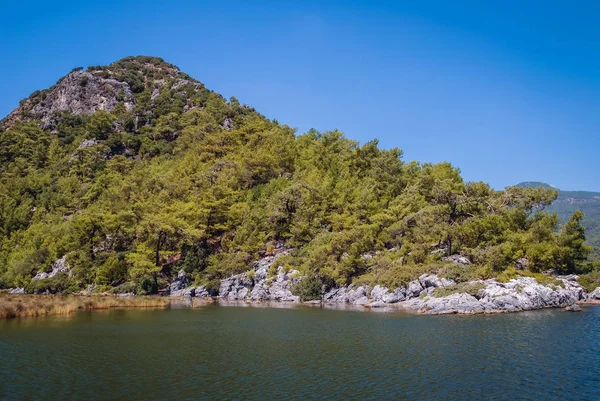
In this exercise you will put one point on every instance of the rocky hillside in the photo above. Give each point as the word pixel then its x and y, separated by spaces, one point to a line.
pixel 83 93
pixel 134 177
pixel 568 202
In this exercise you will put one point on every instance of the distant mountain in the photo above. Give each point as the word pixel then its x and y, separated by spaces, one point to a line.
pixel 535 184
pixel 570 201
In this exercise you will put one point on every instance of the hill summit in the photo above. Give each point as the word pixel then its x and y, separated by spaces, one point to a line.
pixel 101 88
pixel 125 177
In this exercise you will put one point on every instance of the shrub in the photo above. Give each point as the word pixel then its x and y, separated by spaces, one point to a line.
pixel 459 273
pixel 226 264
pixel 507 275
pixel 212 286
pixel 590 281
pixel 111 272
pixel 542 278
pixel 467 288
pixel 396 274
pixel 512 273
pixel 146 286
pixel 308 289
pixel 52 285
pixel 128 287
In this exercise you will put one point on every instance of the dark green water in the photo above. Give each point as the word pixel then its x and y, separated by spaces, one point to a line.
pixel 222 353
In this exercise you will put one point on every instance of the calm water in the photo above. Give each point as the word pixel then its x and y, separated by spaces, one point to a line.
pixel 223 353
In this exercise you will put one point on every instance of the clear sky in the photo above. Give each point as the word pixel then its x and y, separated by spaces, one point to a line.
pixel 508 91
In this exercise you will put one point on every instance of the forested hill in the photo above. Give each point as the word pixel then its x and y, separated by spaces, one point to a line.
pixel 570 201
pixel 121 175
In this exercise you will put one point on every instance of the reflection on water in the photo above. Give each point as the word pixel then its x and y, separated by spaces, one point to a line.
pixel 216 352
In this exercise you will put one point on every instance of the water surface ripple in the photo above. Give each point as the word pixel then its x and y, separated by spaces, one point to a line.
pixel 218 352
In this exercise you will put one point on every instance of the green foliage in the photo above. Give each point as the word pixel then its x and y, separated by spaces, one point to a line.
pixel 572 253
pixel 188 180
pixel 57 284
pixel 471 289
pixel 507 275
pixel 308 289
pixel 568 202
pixel 590 281
pixel 111 272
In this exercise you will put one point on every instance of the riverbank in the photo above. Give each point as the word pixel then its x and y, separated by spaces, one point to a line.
pixel 22 305
pixel 428 294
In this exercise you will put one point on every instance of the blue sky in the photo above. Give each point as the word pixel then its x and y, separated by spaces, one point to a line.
pixel 507 91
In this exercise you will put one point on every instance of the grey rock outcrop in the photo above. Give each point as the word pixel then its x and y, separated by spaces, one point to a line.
pixel 82 92
pixel 258 286
pixel 86 143
pixel 378 292
pixel 523 293
pixel 339 294
pixel 398 295
pixel 358 295
pixel 414 289
pixel 280 287
pixel 158 85
pixel 236 287
pixel 179 286
pixel 594 295
pixel 60 266
pixel 460 259
pixel 203 292
pixel 455 303
pixel 522 264
pixel 18 290
pixel 520 294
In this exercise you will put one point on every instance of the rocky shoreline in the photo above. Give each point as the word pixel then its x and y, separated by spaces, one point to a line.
pixel 429 294
pixel 419 296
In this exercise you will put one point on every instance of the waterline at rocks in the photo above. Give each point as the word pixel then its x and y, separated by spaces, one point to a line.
pixel 429 294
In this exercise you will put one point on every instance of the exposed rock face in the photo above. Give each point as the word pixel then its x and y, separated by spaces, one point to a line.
pixel 336 295
pixel 356 295
pixel 60 266
pixel 463 260
pixel 19 290
pixel 259 287
pixel 523 293
pixel 103 88
pixel 79 92
pixel 236 287
pixel 594 295
pixel 179 286
pixel 455 303
pixel 414 289
pixel 522 263
pixel 203 292
pixel 86 143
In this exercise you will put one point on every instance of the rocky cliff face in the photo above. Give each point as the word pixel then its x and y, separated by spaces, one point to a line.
pixel 100 88
pixel 78 93
pixel 83 93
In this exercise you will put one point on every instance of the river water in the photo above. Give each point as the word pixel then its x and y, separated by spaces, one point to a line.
pixel 224 353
